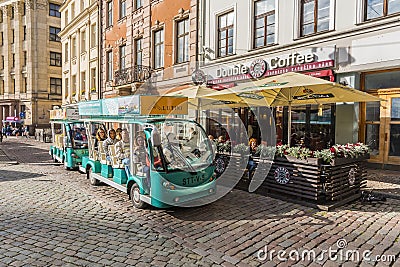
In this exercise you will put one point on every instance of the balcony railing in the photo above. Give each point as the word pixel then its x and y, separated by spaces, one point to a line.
pixel 137 73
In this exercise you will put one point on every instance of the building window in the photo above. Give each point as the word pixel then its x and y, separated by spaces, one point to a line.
pixel 12 13
pixel 93 82
pixel 182 41
pixel 66 52
pixel 82 5
pixel 24 33
pixel 66 85
pixel 72 10
pixel 109 13
pixel 1 16
pixel 13 60
pixel 25 58
pixel 74 47
pixel 122 55
pixel 12 36
pixel 380 8
pixel 225 34
pixel 54 34
pixel 74 85
pixel 1 87
pixel 83 41
pixel 54 10
pixel 122 9
pixel 25 85
pixel 55 59
pixel 12 86
pixel 83 82
pixel 264 23
pixel 1 39
pixel 66 17
pixel 138 4
pixel 93 39
pixel 109 66
pixel 314 16
pixel 23 9
pixel 55 86
pixel 2 62
pixel 138 52
pixel 159 49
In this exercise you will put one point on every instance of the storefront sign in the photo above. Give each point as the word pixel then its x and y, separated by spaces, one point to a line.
pixel 250 96
pixel 313 96
pixel 277 71
pixel 156 105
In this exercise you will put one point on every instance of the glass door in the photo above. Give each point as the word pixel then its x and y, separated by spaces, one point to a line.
pixel 392 129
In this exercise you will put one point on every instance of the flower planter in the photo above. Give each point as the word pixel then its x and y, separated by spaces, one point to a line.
pixel 310 181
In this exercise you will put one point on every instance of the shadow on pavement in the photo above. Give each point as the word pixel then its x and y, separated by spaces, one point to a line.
pixel 239 205
pixel 6 175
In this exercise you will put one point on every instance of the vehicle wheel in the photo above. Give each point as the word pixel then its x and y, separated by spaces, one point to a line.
pixel 135 197
pixel 92 180
pixel 66 167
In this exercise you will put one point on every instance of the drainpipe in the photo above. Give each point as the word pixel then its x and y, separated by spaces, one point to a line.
pixel 100 50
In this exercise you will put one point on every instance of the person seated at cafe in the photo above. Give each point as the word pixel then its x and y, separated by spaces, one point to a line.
pixel 293 139
pixel 111 140
pixel 251 165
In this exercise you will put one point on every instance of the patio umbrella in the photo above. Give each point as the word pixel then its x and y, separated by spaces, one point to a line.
pixel 291 89
pixel 196 95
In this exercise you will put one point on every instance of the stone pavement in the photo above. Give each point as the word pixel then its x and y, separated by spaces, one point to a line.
pixel 50 216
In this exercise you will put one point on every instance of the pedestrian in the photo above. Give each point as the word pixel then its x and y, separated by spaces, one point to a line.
pixel 26 131
pixel 4 131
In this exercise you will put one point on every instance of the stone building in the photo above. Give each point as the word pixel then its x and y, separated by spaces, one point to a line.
pixel 30 67
pixel 79 38
pixel 144 39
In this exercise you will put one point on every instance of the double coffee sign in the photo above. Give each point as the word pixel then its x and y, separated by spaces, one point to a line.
pixel 294 62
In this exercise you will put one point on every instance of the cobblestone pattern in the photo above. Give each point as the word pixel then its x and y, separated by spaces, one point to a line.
pixel 49 216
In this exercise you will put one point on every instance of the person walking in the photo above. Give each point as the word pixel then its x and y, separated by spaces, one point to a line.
pixel 26 131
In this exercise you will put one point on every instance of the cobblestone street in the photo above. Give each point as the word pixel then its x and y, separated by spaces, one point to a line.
pixel 51 216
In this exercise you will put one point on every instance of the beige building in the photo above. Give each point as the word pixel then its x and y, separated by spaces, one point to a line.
pixel 80 53
pixel 30 63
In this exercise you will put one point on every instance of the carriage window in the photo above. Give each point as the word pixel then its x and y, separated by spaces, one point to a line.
pixel 78 135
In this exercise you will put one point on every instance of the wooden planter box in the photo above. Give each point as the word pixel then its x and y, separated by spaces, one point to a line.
pixel 308 181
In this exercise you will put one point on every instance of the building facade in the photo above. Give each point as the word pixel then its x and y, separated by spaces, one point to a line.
pixel 79 39
pixel 145 47
pixel 30 73
pixel 352 42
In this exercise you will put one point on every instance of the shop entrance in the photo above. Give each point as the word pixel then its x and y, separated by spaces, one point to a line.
pixel 380 122
pixel 382 127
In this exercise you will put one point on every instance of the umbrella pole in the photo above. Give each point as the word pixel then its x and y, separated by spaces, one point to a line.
pixel 289 123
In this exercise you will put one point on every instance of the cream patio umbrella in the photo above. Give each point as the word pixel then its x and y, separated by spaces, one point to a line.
pixel 291 89
pixel 196 97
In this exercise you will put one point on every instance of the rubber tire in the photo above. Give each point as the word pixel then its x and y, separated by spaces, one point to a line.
pixel 92 180
pixel 135 194
pixel 66 168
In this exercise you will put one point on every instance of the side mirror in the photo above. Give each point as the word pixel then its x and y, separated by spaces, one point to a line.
pixel 155 137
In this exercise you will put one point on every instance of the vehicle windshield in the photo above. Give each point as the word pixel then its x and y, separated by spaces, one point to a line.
pixel 78 135
pixel 185 146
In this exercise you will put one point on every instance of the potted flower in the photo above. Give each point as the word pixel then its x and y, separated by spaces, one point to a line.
pixel 93 90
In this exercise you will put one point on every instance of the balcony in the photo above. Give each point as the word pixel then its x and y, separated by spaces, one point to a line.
pixel 131 75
